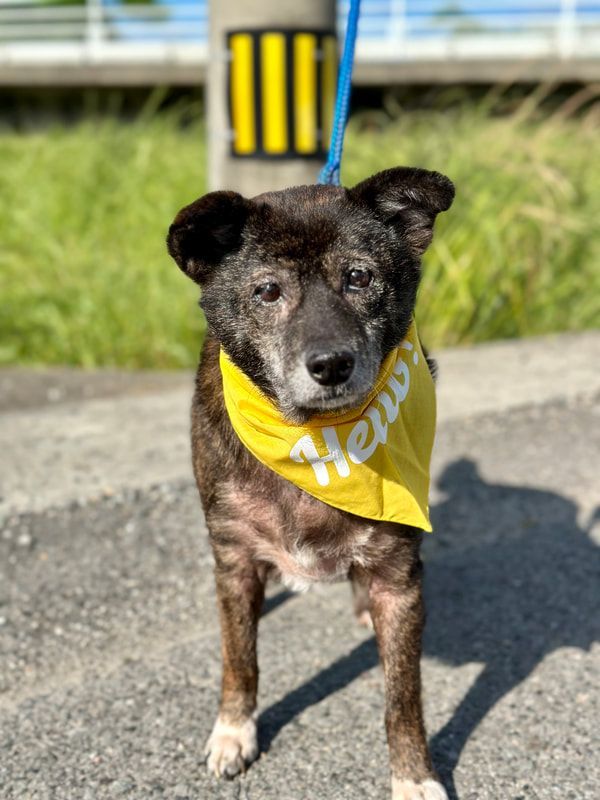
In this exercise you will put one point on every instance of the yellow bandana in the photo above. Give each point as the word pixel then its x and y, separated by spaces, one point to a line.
pixel 372 461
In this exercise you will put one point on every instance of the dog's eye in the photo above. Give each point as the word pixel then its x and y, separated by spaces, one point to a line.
pixel 268 292
pixel 358 278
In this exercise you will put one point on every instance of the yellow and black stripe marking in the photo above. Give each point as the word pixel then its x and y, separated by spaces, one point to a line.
pixel 281 92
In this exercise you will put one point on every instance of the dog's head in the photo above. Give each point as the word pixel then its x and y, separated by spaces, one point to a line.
pixel 308 289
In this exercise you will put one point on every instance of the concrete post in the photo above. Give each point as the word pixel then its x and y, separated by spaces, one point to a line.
pixel 246 175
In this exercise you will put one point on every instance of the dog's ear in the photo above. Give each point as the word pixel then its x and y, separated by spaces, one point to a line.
pixel 409 199
pixel 204 232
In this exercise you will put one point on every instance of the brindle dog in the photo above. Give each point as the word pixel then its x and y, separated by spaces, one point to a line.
pixel 307 290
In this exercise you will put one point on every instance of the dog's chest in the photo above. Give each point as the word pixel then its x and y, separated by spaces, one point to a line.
pixel 301 538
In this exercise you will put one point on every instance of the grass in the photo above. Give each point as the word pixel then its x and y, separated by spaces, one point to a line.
pixel 85 279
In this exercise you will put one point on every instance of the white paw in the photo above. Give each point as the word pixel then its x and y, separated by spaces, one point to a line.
pixel 409 790
pixel 231 747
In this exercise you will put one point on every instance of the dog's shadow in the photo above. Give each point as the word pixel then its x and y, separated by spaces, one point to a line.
pixel 510 577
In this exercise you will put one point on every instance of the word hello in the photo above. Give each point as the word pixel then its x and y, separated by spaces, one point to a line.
pixel 365 436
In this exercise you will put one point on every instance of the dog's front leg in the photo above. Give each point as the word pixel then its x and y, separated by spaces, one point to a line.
pixel 397 611
pixel 240 592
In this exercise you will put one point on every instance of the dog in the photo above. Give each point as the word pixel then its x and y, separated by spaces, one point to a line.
pixel 306 292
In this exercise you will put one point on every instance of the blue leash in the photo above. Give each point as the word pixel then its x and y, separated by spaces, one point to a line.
pixel 331 171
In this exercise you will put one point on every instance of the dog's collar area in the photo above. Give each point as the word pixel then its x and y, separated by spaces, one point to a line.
pixel 372 461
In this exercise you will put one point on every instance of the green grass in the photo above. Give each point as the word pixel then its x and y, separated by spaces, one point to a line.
pixel 85 279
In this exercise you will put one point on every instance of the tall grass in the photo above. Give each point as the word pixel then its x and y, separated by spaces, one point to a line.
pixel 85 275
pixel 85 279
pixel 519 251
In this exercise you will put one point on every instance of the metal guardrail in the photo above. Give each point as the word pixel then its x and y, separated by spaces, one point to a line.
pixel 390 31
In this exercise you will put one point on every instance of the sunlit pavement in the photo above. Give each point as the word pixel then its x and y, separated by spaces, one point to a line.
pixel 109 656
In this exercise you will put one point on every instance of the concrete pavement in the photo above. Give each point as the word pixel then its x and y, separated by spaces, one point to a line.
pixel 109 657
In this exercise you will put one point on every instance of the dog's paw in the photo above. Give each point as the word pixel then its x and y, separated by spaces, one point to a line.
pixel 231 747
pixel 409 790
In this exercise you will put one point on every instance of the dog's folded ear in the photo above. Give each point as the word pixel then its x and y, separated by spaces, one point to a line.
pixel 409 199
pixel 204 232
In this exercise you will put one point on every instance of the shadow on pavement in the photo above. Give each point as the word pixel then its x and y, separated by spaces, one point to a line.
pixel 509 578
pixel 276 600
pixel 328 681
pixel 506 602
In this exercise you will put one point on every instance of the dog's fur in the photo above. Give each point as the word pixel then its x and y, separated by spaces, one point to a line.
pixel 305 240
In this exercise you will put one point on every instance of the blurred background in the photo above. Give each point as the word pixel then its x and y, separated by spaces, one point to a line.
pixel 103 138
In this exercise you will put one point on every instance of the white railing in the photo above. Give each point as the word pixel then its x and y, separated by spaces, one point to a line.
pixel 390 31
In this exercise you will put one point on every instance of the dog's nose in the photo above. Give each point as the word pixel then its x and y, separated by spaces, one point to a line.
pixel 330 369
